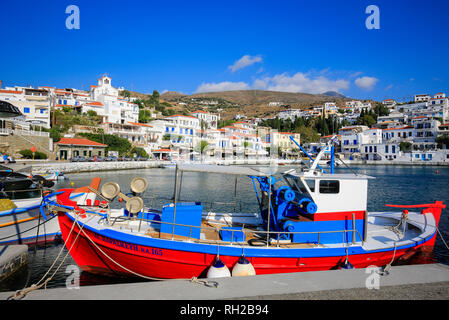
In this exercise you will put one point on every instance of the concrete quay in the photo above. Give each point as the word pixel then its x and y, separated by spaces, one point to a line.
pixel 410 282
pixel 44 166
pixel 12 258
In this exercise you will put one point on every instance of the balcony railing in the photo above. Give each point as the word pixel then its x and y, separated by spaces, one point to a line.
pixel 7 132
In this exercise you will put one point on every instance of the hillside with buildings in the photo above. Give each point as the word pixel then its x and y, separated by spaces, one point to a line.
pixel 67 123
pixel 251 103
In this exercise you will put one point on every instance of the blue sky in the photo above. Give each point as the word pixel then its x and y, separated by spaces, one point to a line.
pixel 192 46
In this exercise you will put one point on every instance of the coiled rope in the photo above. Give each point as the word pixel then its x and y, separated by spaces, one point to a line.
pixel 19 294
pixel 207 283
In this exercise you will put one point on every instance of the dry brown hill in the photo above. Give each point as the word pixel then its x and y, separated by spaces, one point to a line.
pixel 252 103
pixel 254 97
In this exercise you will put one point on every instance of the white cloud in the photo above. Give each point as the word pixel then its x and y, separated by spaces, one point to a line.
pixel 301 82
pixel 366 83
pixel 222 86
pixel 244 62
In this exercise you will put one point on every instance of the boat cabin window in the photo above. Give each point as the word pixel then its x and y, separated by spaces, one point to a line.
pixel 329 186
pixel 311 184
pixel 297 185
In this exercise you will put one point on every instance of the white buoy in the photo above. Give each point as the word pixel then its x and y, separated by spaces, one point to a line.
pixel 243 268
pixel 218 270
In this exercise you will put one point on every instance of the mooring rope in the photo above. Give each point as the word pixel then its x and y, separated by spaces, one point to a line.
pixel 207 283
pixel 441 236
pixel 19 294
pixel 387 268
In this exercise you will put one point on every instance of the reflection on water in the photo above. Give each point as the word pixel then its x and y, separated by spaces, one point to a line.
pixel 392 185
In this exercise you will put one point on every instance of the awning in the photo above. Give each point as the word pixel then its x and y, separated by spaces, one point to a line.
pixel 232 170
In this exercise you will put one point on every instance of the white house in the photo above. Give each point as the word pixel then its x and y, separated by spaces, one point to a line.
pixel 421 98
pixel 35 104
pixel 116 109
pixel 182 130
pixel 209 118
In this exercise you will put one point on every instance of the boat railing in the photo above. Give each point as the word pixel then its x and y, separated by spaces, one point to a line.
pixel 209 205
pixel 258 234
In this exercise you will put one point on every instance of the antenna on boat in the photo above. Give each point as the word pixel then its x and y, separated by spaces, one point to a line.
pixel 303 150
pixel 329 148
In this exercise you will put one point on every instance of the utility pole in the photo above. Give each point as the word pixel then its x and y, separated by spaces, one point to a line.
pixel 54 111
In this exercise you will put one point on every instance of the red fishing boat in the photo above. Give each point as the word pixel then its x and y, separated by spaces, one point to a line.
pixel 307 221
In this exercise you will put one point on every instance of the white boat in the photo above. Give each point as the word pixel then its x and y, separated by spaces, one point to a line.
pixel 55 176
pixel 28 222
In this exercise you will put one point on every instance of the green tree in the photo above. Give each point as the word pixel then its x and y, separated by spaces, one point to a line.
pixel 55 134
pixel 114 143
pixel 27 154
pixel 307 134
pixel 405 146
pixel 144 116
pixel 140 152
pixel 125 94
pixel 202 146
pixel 443 141
pixel 91 113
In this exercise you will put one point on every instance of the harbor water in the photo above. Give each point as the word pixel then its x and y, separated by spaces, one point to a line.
pixel 392 185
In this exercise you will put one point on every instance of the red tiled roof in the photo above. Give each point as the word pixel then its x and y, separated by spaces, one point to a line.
pixel 445 125
pixel 80 142
pixel 163 150
pixel 95 103
pixel 11 91
pixel 330 136
pixel 140 124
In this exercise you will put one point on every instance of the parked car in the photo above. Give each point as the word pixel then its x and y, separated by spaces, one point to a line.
pixel 126 158
pixel 140 159
pixel 78 159
pixel 96 159
pixel 111 158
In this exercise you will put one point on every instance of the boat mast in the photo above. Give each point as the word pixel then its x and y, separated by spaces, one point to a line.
pixel 175 201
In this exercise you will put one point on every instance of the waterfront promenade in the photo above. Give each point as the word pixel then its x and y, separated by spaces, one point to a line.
pixel 48 166
pixel 41 167
pixel 409 282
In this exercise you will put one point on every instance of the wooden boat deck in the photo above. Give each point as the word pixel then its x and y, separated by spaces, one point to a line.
pixel 210 235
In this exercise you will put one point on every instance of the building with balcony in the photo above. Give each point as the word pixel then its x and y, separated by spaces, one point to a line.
pixel 33 103
pixel 210 119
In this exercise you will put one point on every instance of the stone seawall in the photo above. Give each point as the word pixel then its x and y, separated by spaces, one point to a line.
pixel 40 167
